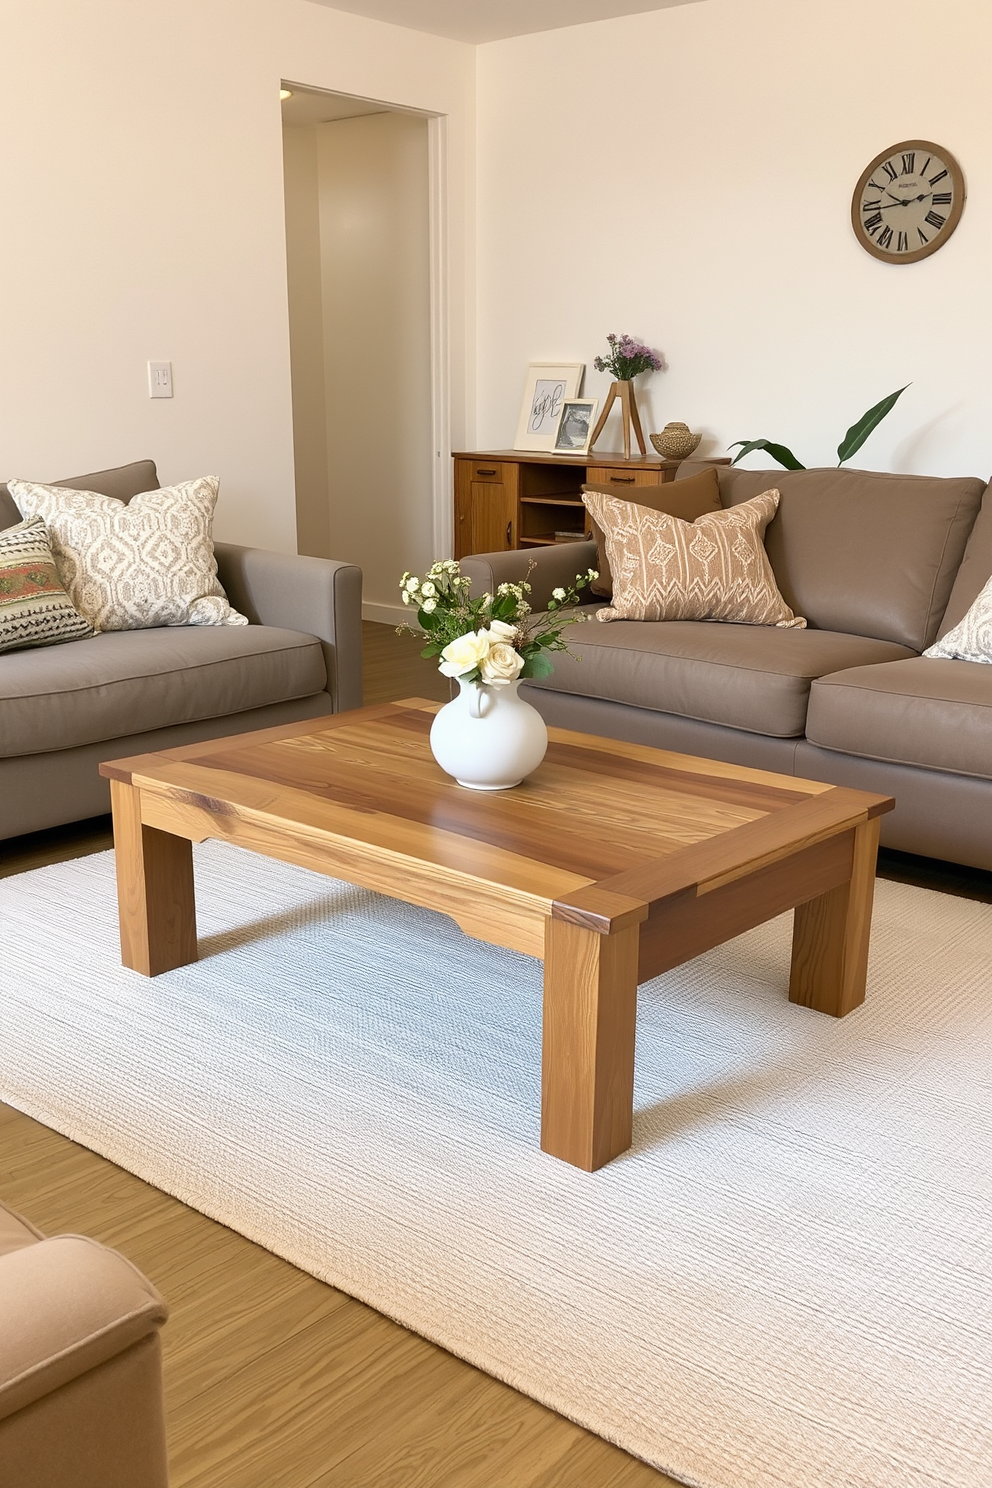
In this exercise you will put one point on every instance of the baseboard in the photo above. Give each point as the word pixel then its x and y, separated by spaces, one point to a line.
pixel 387 614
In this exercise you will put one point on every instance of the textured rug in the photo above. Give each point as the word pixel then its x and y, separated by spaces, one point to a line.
pixel 787 1281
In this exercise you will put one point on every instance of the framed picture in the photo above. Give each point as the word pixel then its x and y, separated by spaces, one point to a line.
pixel 575 426
pixel 548 386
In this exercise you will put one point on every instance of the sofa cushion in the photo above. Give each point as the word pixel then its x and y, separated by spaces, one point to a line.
pixel 975 570
pixel 918 712
pixel 866 553
pixel 128 681
pixel 743 676
pixel 122 481
pixel 687 499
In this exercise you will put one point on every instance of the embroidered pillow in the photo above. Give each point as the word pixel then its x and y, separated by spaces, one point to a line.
pixel 34 608
pixel 714 568
pixel 971 638
pixel 688 499
pixel 132 567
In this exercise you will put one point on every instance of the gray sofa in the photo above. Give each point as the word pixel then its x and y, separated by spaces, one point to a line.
pixel 65 708
pixel 879 565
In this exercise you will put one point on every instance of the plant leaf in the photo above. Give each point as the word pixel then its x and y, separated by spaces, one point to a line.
pixel 858 433
pixel 538 665
pixel 777 451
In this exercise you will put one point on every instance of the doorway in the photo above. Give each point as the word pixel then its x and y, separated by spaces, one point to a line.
pixel 363 336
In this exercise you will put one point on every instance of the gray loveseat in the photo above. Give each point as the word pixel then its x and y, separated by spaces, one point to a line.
pixel 65 708
pixel 880 565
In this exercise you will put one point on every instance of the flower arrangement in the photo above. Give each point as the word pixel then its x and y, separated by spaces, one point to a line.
pixel 627 357
pixel 493 639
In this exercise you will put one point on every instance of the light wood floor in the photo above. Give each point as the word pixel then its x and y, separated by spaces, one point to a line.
pixel 274 1380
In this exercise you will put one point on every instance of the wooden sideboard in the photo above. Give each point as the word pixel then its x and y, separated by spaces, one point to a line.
pixel 515 499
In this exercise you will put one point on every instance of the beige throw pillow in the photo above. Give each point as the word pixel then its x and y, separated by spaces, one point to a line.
pixel 715 568
pixel 132 567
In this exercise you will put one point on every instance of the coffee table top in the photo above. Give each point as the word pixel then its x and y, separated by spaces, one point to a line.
pixel 598 834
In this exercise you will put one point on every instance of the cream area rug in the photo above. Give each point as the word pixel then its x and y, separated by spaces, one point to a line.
pixel 786 1283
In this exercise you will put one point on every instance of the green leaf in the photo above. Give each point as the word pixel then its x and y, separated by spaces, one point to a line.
pixel 537 665
pixel 434 649
pixel 858 433
pixel 777 451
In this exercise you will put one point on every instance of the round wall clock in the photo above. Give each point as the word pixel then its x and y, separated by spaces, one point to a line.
pixel 908 202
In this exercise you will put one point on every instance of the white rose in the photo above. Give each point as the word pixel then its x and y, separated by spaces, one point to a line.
pixel 464 654
pixel 500 631
pixel 412 585
pixel 428 591
pixel 406 597
pixel 429 606
pixel 558 594
pixel 502 664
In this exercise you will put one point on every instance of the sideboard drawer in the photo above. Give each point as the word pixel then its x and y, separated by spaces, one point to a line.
pixel 484 470
pixel 623 479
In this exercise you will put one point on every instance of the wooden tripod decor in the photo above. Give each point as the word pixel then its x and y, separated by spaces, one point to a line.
pixel 628 413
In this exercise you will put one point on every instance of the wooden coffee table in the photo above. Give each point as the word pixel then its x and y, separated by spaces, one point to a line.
pixel 614 862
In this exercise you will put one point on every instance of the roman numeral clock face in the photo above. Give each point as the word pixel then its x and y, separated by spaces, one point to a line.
pixel 908 202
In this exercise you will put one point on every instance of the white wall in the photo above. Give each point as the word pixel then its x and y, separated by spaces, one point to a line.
pixel 687 175
pixel 141 181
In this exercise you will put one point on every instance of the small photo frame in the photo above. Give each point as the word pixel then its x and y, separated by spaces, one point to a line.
pixel 548 385
pixel 575 426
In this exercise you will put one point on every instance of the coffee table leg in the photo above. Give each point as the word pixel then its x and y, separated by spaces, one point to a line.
pixel 831 934
pixel 590 1012
pixel 154 889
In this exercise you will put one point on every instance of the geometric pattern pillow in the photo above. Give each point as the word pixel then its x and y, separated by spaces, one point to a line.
pixel 714 568
pixel 34 608
pixel 971 638
pixel 131 567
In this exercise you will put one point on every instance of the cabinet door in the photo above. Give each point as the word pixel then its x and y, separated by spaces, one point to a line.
pixel 493 518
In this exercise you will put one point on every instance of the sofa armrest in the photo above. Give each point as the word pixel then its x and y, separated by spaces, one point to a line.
pixel 550 567
pixel 313 595
pixel 67 1304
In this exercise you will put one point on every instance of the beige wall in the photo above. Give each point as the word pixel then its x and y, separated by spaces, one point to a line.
pixel 306 336
pixel 687 175
pixel 141 177
pixel 375 265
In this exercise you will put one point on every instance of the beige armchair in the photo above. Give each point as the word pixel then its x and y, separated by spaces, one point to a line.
pixel 80 1365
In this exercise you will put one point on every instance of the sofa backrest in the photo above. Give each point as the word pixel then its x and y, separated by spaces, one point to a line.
pixel 865 553
pixel 975 570
pixel 123 481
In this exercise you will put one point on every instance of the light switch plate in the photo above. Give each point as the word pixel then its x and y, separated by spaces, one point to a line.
pixel 160 379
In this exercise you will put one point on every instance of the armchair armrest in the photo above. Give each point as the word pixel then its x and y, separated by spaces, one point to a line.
pixel 551 567
pixel 68 1305
pixel 314 595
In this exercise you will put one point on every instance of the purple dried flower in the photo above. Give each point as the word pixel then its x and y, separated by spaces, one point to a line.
pixel 627 358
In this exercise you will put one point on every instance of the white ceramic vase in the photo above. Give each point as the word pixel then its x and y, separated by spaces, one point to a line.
pixel 488 738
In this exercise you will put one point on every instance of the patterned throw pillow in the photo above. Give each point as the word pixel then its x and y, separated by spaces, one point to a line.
pixel 715 568
pixel 34 608
pixel 971 638
pixel 132 567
